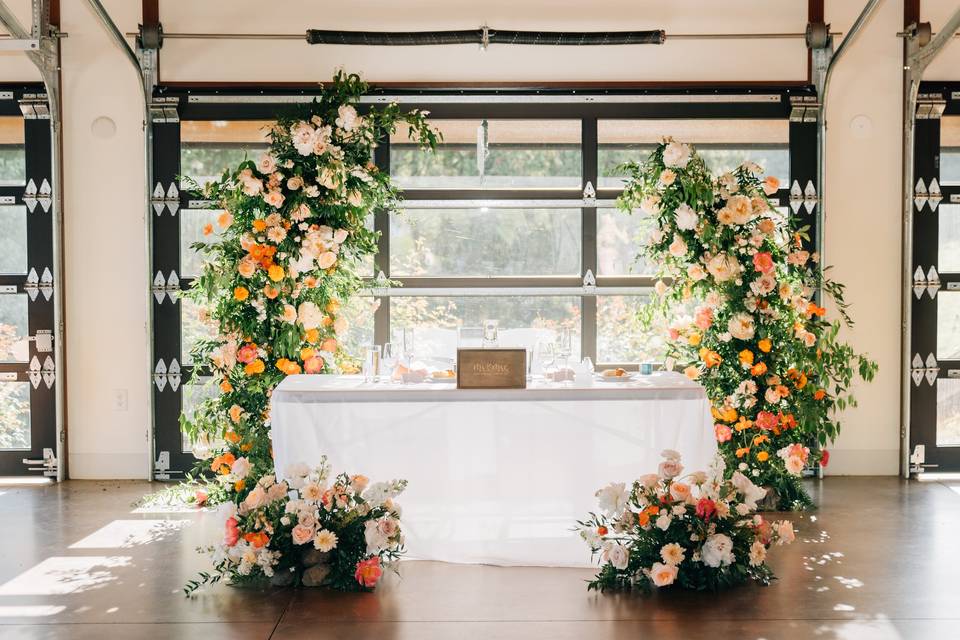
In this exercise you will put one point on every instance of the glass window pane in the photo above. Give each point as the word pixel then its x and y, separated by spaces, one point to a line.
pixel 359 312
pixel 619 236
pixel 950 150
pixel 620 336
pixel 207 147
pixel 13 328
pixel 485 242
pixel 193 328
pixel 14 415
pixel 194 394
pixel 948 325
pixel 523 320
pixel 13 239
pixel 949 241
pixel 948 412
pixel 193 224
pixel 724 144
pixel 519 154
pixel 13 165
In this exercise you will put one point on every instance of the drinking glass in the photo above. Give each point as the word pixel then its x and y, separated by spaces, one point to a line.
pixel 371 362
pixel 548 356
pixel 491 333
pixel 564 345
pixel 408 346
pixel 389 360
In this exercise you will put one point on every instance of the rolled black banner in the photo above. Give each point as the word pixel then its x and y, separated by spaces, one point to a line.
pixel 483 37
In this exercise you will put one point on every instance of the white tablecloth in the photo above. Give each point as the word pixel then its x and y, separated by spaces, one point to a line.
pixel 496 476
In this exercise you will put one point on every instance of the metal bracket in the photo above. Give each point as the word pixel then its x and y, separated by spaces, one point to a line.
pixel 920 370
pixel 160 375
pixel 48 465
pixel 589 282
pixel 930 106
pixel 169 199
pixel 163 287
pixel 39 284
pixel 32 195
pixel 34 106
pixel 163 109
pixel 381 285
pixel 924 195
pixel 929 283
pixel 173 375
pixel 804 108
pixel 806 197
pixel 34 372
pixel 589 193
pixel 161 468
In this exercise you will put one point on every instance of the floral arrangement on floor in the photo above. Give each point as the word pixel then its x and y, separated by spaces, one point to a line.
pixel 283 263
pixel 698 531
pixel 750 329
pixel 306 530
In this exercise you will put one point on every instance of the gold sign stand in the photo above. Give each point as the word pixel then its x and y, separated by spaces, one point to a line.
pixel 491 368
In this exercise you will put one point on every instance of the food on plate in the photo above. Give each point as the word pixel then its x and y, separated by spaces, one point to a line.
pixel 560 375
pixel 614 373
pixel 446 374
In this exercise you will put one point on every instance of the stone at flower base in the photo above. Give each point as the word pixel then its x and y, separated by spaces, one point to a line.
pixel 312 557
pixel 314 576
pixel 770 502
pixel 282 578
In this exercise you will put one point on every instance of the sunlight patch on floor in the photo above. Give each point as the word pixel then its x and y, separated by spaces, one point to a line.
pixel 62 575
pixel 123 534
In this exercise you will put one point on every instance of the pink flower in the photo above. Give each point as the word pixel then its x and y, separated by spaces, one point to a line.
pixel 706 508
pixel 679 491
pixel 670 468
pixel 824 458
pixel 369 572
pixel 763 262
pixel 313 365
pixel 302 534
pixel 704 318
pixel 663 575
pixel 200 497
pixel 723 432
pixel 785 532
pixel 232 533
pixel 766 420
pixel 247 354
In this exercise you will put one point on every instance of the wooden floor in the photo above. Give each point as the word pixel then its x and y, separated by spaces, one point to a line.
pixel 879 560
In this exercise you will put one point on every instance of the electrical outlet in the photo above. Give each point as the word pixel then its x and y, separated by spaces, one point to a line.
pixel 120 400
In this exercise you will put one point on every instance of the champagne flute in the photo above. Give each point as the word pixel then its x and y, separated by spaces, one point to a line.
pixel 389 360
pixel 408 346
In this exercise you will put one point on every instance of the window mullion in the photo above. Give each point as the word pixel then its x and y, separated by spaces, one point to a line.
pixel 588 238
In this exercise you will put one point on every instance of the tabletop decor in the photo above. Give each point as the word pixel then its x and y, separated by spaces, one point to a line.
pixel 698 531
pixel 284 260
pixel 306 530
pixel 488 368
pixel 758 338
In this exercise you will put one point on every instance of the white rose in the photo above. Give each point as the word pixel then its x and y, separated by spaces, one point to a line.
pixel 663 522
pixel 676 154
pixel 717 551
pixel 741 326
pixel 309 315
pixel 686 217
pixel 612 498
pixel 617 555
pixel 240 468
pixel 723 267
pixel 348 119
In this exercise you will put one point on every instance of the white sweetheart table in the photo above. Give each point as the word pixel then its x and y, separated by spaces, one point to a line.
pixel 495 476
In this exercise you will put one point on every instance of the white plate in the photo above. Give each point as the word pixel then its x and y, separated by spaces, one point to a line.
pixel 626 378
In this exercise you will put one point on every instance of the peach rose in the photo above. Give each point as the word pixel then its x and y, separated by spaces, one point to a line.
pixel 313 365
pixel 326 259
pixel 679 491
pixel 770 185
pixel 329 345
pixel 663 575
pixel 247 266
pixel 302 534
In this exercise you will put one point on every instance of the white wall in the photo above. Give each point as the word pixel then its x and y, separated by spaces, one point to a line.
pixel 107 266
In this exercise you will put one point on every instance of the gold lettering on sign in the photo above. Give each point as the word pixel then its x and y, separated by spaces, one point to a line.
pixel 491 368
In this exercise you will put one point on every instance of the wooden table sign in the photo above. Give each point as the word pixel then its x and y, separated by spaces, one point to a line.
pixel 491 368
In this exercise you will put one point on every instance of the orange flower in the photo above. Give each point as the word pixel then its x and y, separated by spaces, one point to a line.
pixel 819 394
pixel 311 336
pixel 270 291
pixel 236 412
pixel 643 518
pixel 762 456
pixel 259 225
pixel 239 485
pixel 710 358
pixel 814 310
pixel 760 439
pixel 221 464
pixel 743 424
pixel 758 369
pixel 329 345
pixel 224 219
pixel 602 530
pixel 326 322
pixel 742 451
pixel 289 367
pixel 783 391
pixel 207 229
pixel 333 306
pixel 232 437
pixel 241 293
pixel 258 539
pixel 226 387
pixel 787 420
pixel 254 367
pixel 694 339
pixel 306 353
pixel 692 372
pixel 246 447
pixel 765 345
pixel 276 273
pixel 746 357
